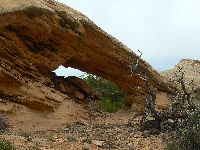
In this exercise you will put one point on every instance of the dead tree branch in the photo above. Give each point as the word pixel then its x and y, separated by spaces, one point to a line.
pixel 178 110
pixel 187 90
pixel 149 104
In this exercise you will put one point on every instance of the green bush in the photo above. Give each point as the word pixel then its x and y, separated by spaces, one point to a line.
pixel 110 106
pixel 112 97
pixel 6 145
pixel 187 137
pixel 87 140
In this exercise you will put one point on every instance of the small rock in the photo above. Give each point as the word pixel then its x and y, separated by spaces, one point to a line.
pixel 39 141
pixel 72 138
pixel 97 143
pixel 86 146
pixel 129 144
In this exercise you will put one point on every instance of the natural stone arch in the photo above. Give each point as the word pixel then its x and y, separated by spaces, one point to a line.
pixel 38 36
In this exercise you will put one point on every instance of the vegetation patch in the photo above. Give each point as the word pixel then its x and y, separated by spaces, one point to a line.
pixel 6 145
pixel 112 97
pixel 36 12
pixel 87 140
pixel 197 91
pixel 7 97
pixel 4 124
pixel 67 20
pixel 187 136
pixel 26 135
pixel 110 106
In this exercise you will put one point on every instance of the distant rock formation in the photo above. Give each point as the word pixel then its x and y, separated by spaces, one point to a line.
pixel 191 69
pixel 37 36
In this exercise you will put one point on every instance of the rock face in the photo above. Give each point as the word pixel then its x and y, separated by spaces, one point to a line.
pixel 74 87
pixel 37 36
pixel 191 69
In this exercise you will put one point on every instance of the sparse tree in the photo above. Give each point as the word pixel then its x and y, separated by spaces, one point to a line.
pixel 149 89
pixel 187 89
pixel 182 101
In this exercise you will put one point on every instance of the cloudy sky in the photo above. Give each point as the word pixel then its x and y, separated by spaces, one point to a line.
pixel 166 31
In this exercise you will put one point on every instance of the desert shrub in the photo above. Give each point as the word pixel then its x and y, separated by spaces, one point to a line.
pixel 4 124
pixel 6 145
pixel 26 135
pixel 87 140
pixel 197 91
pixel 112 97
pixel 36 147
pixel 187 136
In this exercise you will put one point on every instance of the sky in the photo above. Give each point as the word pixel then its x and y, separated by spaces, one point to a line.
pixel 166 31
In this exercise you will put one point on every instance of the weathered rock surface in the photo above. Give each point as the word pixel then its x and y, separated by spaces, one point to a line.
pixel 191 69
pixel 36 36
pixel 74 87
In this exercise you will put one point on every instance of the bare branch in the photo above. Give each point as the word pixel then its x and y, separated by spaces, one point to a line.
pixel 134 66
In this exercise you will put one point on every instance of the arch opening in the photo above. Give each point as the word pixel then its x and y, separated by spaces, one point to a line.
pixel 69 71
pixel 70 81
pixel 83 86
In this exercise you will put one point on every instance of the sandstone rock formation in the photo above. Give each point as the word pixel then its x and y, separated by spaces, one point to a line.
pixel 191 69
pixel 36 36
pixel 74 87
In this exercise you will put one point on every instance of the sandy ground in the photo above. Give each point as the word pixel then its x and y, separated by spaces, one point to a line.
pixel 78 126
